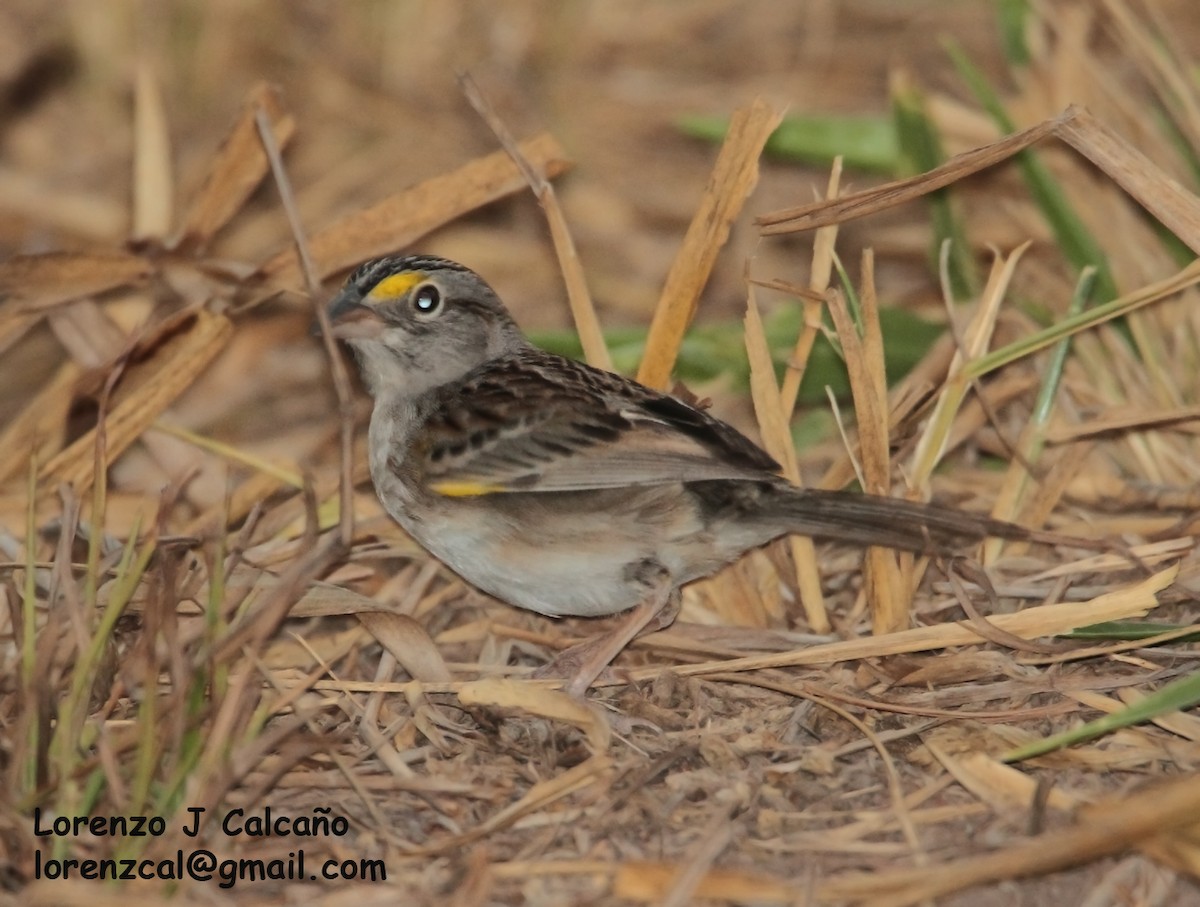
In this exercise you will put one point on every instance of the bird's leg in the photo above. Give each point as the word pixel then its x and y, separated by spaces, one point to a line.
pixel 585 662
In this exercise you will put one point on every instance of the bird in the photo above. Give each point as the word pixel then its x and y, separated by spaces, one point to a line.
pixel 568 490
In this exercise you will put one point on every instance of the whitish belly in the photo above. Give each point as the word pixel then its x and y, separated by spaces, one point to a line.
pixel 585 577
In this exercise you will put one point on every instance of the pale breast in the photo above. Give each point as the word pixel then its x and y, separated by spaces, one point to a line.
pixel 560 553
pixel 389 436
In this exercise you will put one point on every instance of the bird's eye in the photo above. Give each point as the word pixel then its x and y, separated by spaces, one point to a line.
pixel 427 300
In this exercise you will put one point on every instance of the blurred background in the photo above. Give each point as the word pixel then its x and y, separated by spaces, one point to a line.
pixel 372 85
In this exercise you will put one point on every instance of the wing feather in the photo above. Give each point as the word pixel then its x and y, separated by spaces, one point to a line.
pixel 534 421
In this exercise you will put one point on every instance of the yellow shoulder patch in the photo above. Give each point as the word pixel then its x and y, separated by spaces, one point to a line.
pixel 452 489
pixel 395 286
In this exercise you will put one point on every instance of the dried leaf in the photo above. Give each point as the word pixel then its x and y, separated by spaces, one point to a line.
pixel 822 268
pixel 403 218
pixel 1003 787
pixel 39 281
pixel 643 881
pixel 583 311
pixel 153 185
pixel 153 387
pixel 880 198
pixel 733 178
pixel 41 425
pixel 768 406
pixel 883 582
pixel 1044 620
pixel 1149 818
pixel 540 700
pixel 409 644
pixel 1168 202
pixel 236 169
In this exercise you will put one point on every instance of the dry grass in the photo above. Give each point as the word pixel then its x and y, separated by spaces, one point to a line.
pixel 183 625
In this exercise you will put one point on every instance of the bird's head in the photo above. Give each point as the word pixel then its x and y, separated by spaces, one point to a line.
pixel 418 322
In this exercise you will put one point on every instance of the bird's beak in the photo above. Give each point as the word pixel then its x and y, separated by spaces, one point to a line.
pixel 352 319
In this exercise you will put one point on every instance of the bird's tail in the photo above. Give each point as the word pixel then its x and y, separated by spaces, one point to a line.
pixel 872 520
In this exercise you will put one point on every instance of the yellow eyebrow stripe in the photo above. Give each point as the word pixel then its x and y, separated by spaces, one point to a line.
pixel 465 489
pixel 395 286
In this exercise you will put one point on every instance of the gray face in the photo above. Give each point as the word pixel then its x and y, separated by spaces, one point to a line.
pixel 417 323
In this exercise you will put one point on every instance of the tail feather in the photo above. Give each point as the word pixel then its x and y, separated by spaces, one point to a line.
pixel 872 520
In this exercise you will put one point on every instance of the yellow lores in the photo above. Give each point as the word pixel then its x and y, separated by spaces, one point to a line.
pixel 395 286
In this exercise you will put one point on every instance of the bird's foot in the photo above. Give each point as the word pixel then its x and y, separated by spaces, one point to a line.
pixel 576 666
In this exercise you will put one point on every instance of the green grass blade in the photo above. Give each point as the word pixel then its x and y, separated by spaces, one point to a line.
pixel 1176 696
pixel 1033 438
pixel 128 575
pixel 1072 236
pixel 1013 17
pixel 1058 360
pixel 864 143
pixel 921 151
pixel 714 349
pixel 1121 630
pixel 1073 324
pixel 852 301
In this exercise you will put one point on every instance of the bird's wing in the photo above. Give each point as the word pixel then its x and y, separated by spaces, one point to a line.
pixel 534 421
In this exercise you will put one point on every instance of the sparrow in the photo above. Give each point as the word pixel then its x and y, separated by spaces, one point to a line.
pixel 567 490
